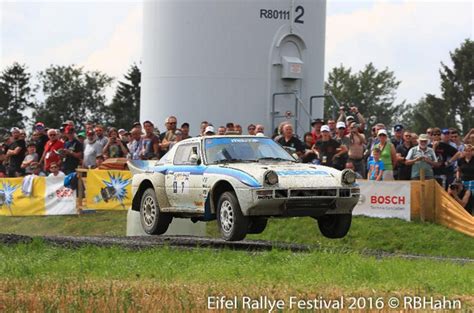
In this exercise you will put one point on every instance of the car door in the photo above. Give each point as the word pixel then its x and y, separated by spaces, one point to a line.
pixel 184 178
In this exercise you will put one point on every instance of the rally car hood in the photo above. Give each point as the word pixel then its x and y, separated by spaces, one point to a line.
pixel 292 175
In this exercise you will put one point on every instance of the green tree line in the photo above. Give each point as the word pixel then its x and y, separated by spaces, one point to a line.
pixel 70 92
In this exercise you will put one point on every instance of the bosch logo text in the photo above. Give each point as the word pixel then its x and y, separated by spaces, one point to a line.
pixel 387 200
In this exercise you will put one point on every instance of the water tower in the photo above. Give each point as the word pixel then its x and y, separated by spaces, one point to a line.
pixel 233 60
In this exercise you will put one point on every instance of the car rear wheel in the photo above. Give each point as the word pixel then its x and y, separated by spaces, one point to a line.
pixel 257 225
pixel 154 222
pixel 232 223
pixel 334 225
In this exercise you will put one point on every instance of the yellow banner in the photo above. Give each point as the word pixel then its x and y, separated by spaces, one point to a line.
pixel 109 190
pixel 14 202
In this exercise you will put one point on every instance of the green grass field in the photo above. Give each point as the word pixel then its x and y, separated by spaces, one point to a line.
pixel 42 277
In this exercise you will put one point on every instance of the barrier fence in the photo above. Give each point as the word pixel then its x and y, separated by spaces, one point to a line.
pixel 421 200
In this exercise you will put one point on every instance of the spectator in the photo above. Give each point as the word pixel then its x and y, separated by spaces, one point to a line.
pixel 259 129
pixel 185 130
pixel 414 139
pixel 202 128
pixel 52 150
pixel 54 170
pixel 404 171
pixel 278 134
pixel 251 129
pixel 343 140
pixel 469 138
pixel 151 142
pixel 356 149
pixel 456 140
pixel 221 130
pixel 101 139
pixel 81 136
pixel 350 166
pixel 36 169
pixel 373 140
pixel 179 137
pixel 167 137
pixel 316 131
pixel 332 127
pixel 15 153
pixel 135 146
pixel 31 157
pixel 310 154
pixel 421 157
pixel 289 140
pixel 209 131
pixel 72 153
pixel 229 128
pixel 329 150
pixel 387 154
pixel 92 148
pixel 89 126
pixel 99 159
pixel 238 129
pixel 429 132
pixel 115 147
pixel 376 166
pixel 444 172
pixel 41 138
pixel 349 119
pixel 122 135
pixel 462 195
pixel 465 170
pixel 397 138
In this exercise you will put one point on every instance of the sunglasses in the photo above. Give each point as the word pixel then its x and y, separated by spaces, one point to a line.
pixel 382 135
pixel 52 135
pixel 437 134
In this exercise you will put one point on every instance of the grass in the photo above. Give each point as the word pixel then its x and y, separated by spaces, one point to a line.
pixel 390 235
pixel 45 277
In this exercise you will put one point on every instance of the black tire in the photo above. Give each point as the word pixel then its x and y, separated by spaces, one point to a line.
pixel 257 225
pixel 154 222
pixel 232 223
pixel 334 225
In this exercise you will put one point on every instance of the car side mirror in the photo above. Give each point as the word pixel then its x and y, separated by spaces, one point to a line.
pixel 194 159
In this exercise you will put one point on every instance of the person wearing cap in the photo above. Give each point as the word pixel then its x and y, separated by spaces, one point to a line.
pixel 289 140
pixel 329 150
pixel 31 157
pixel 349 119
pixel 397 138
pixel 444 173
pixel 343 140
pixel 72 152
pixel 92 148
pixel 209 131
pixel 316 131
pixel 403 170
pixel 41 139
pixel 421 157
pixel 179 137
pixel 15 153
pixel 388 155
pixel 52 150
pixel 151 142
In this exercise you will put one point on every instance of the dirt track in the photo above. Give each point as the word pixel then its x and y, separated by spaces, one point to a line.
pixel 190 242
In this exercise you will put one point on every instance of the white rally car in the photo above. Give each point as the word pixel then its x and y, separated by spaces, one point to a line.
pixel 241 181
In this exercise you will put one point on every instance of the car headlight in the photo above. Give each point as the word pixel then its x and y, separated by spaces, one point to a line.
pixel 271 178
pixel 348 177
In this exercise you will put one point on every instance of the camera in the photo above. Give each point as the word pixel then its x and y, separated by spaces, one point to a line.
pixel 453 186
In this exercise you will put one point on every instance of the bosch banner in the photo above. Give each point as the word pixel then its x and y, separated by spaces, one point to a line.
pixel 384 199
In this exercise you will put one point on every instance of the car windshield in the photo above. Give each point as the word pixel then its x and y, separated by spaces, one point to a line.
pixel 244 149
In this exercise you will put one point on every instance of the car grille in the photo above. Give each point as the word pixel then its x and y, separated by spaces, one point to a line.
pixel 320 193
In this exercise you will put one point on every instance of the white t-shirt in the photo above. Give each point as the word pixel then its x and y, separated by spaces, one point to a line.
pixel 60 174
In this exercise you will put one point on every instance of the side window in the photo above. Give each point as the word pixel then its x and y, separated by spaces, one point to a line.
pixel 183 154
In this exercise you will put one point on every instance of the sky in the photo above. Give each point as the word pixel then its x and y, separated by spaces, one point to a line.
pixel 411 38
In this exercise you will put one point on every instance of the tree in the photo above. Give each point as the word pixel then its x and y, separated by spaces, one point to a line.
pixel 125 107
pixel 70 93
pixel 15 96
pixel 457 84
pixel 371 90
pixel 428 112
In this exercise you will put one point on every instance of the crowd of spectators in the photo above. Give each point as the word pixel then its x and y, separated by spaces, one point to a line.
pixel 441 154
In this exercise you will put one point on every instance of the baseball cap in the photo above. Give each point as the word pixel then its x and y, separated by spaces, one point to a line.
pixel 14 129
pixel 349 118
pixel 445 131
pixel 209 129
pixel 423 137
pixel 325 128
pixel 178 132
pixel 318 120
pixel 81 134
pixel 398 127
pixel 382 131
pixel 39 125
pixel 341 125
pixel 121 131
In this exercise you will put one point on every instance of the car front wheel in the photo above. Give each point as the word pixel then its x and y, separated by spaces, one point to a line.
pixel 257 225
pixel 232 223
pixel 334 225
pixel 154 222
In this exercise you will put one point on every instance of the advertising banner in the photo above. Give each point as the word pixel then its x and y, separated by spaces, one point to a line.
pixel 59 200
pixel 384 199
pixel 109 190
pixel 19 199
